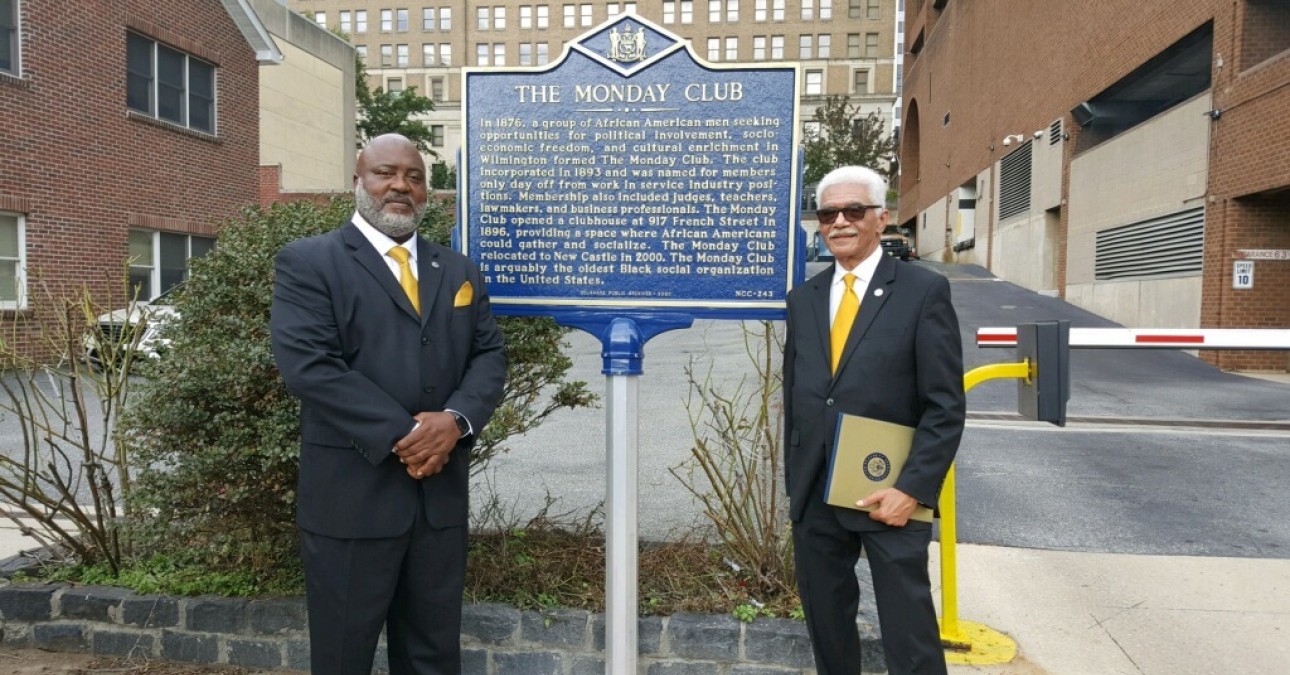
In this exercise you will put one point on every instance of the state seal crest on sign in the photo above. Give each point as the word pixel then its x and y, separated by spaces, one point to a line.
pixel 876 466
pixel 627 46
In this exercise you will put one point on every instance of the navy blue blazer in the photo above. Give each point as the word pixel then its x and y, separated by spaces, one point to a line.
pixel 903 363
pixel 362 362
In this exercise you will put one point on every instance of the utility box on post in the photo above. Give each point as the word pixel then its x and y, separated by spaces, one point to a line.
pixel 1045 345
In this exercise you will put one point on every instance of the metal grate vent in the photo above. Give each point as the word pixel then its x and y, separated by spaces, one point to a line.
pixel 1014 182
pixel 1164 246
pixel 1055 132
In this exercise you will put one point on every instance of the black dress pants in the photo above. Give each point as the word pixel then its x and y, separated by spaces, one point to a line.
pixel 411 585
pixel 825 554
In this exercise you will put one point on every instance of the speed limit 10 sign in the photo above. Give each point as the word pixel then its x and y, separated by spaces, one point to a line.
pixel 1243 274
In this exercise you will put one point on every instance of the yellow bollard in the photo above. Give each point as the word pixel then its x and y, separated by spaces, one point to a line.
pixel 969 642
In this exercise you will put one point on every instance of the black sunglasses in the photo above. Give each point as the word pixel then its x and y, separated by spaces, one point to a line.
pixel 854 213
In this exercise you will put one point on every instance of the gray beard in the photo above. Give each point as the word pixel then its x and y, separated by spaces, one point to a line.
pixel 391 225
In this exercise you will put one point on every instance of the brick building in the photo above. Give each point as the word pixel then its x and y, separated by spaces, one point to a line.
pixel 130 131
pixel 1120 154
pixel 845 47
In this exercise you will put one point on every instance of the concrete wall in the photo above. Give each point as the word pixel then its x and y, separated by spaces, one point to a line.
pixel 930 232
pixel 1157 168
pixel 1025 251
pixel 307 103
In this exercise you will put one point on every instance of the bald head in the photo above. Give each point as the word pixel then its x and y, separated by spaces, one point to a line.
pixel 390 185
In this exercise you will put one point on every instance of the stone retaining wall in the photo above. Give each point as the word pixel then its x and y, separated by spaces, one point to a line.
pixel 496 639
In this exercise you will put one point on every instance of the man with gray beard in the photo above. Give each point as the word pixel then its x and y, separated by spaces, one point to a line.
pixel 390 344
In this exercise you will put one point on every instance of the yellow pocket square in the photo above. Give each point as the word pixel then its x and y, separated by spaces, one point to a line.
pixel 465 295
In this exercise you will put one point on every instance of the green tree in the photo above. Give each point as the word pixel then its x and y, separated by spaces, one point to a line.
pixel 215 432
pixel 845 137
pixel 385 112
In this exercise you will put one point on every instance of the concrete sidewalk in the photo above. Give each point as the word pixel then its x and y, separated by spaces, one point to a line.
pixel 1103 614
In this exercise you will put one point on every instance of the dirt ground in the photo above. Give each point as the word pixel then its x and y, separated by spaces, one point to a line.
pixel 40 662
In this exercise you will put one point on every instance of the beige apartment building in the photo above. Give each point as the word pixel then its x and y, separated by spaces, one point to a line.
pixel 844 47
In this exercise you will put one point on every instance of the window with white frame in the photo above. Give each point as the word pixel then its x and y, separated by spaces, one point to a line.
pixel 526 16
pixel 483 17
pixel 394 85
pixel 401 20
pixel 387 56
pixel 169 85
pixel 13 261
pixel 714 11
pixel 759 10
pixel 401 55
pixel 427 19
pixel 874 10
pixel 776 47
pixel 320 18
pixel 362 52
pixel 823 44
pixel 445 18
pixel 543 17
pixel 499 18
pixel 759 48
pixel 543 50
pixel 853 9
pixel 387 21
pixel 570 16
pixel 732 11
pixel 714 49
pixel 436 88
pixel 159 260
pixel 9 36
pixel 445 54
pixel 526 54
pixel 826 10
pixel 669 11
pixel 427 54
pixel 360 21
pixel 808 10
pixel 687 11
pixel 806 47
pixel 814 82
pixel 853 45
pixel 871 45
pixel 777 10
pixel 499 53
pixel 587 14
pixel 436 135
pixel 482 54
pixel 346 21
pixel 732 48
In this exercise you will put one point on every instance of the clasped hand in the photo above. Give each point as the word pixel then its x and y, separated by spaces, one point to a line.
pixel 426 449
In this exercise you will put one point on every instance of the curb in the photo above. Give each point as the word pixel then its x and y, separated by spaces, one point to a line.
pixel 496 639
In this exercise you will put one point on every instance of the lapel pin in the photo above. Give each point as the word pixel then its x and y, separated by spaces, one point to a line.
pixel 434 264
pixel 877 292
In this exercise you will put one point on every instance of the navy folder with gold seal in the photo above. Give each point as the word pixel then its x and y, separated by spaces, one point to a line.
pixel 868 456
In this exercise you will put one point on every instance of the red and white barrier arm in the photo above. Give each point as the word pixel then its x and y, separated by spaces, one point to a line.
pixel 1153 338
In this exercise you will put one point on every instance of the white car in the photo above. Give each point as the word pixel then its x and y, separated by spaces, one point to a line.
pixel 151 317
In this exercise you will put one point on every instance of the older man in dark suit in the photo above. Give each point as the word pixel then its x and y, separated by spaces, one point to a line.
pixel 389 342
pixel 876 337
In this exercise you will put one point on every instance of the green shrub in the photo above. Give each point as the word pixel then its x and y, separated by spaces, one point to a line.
pixel 213 431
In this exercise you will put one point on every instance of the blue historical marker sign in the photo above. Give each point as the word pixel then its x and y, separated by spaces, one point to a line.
pixel 630 176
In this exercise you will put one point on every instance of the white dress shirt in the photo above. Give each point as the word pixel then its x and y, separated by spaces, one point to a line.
pixel 863 273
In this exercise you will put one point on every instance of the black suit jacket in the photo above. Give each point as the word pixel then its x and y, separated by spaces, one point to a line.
pixel 362 362
pixel 903 363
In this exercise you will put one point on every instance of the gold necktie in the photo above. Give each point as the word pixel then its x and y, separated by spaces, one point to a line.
pixel 847 310
pixel 406 279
